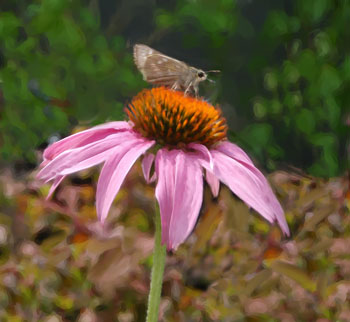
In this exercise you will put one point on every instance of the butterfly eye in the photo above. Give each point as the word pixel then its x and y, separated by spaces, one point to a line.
pixel 200 74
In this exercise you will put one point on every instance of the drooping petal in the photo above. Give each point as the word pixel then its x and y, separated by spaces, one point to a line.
pixel 165 171
pixel 233 151
pixel 249 184
pixel 239 155
pixel 55 184
pixel 84 137
pixel 179 193
pixel 213 183
pixel 84 157
pixel 114 172
pixel 147 163
pixel 203 151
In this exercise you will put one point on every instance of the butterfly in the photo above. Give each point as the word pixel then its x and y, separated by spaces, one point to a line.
pixel 159 69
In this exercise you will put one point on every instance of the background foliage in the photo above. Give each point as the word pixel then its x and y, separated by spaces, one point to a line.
pixel 284 85
pixel 58 264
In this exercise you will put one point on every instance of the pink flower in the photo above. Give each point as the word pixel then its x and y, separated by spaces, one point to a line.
pixel 184 138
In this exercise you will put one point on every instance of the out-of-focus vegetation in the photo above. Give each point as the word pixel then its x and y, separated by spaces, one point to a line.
pixel 58 264
pixel 285 65
pixel 285 90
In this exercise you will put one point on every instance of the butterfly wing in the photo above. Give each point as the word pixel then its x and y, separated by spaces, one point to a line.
pixel 141 52
pixel 158 68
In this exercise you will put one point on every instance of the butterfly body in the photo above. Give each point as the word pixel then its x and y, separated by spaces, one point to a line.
pixel 159 69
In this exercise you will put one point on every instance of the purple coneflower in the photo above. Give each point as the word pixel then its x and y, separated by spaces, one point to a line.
pixel 182 139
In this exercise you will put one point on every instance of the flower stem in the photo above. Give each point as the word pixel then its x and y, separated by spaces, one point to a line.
pixel 159 255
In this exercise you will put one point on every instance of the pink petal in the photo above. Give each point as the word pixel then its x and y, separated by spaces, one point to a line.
pixel 179 193
pixel 84 137
pixel 234 151
pixel 165 188
pixel 239 155
pixel 117 125
pixel 55 184
pixel 249 184
pixel 203 151
pixel 213 183
pixel 147 163
pixel 84 157
pixel 114 172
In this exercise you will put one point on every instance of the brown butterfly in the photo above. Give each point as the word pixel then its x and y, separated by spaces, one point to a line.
pixel 159 69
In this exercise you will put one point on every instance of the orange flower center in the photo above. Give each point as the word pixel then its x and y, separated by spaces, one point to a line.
pixel 171 118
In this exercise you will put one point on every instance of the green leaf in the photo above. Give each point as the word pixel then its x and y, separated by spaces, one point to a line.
pixel 295 273
pixel 9 24
pixel 271 81
pixel 329 80
pixel 307 65
pixel 314 10
pixel 323 139
pixel 322 44
pixel 258 134
pixel 277 24
pixel 290 72
pixel 256 281
pixel 305 121
pixel 259 108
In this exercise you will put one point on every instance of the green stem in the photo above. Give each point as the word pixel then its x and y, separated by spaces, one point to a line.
pixel 159 255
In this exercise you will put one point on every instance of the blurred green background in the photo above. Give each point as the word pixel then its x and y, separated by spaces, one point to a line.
pixel 284 85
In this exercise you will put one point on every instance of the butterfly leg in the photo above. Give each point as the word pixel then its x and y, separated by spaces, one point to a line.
pixel 195 89
pixel 175 86
pixel 188 88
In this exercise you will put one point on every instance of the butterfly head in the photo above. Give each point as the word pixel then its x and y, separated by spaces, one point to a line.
pixel 201 75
